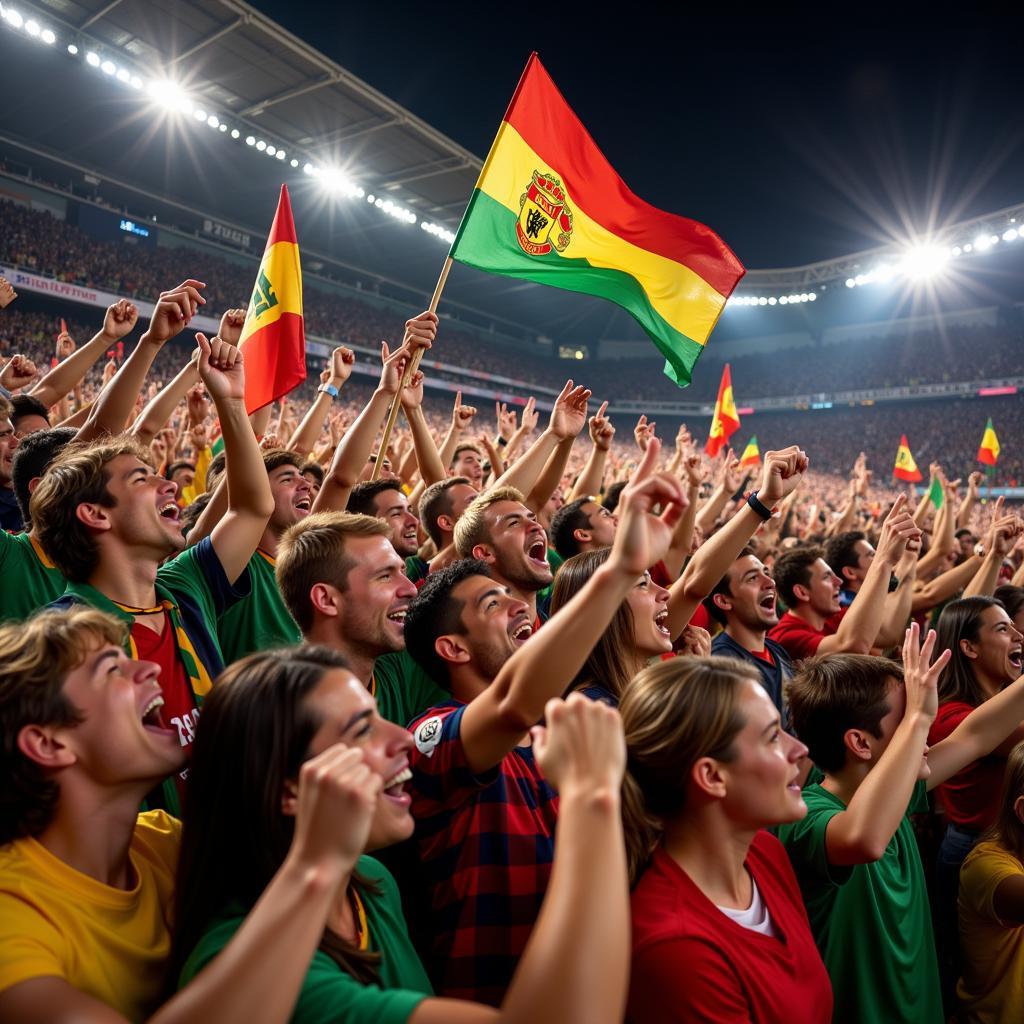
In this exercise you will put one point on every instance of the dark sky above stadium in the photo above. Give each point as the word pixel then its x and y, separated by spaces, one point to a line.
pixel 797 137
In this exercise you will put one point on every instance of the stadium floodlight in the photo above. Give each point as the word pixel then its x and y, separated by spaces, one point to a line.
pixel 294 162
pixel 982 242
pixel 307 168
pixel 762 301
pixel 993 239
pixel 169 95
pixel 199 114
pixel 135 82
pixel 250 140
pixel 222 127
pixel 783 300
pixel 32 27
pixel 850 283
pixel 72 49
pixel 812 296
pixel 280 154
pixel 108 67
pixel 968 247
pixel 261 145
pixel 956 251
pixel 213 121
pixel 92 59
pixel 13 18
pixel 1010 234
pixel 235 133
pixel 123 76
pixel 48 36
pixel 271 150
pixel 924 261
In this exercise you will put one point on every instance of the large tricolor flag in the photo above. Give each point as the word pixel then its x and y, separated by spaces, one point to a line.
pixel 751 454
pixel 549 208
pixel 273 338
pixel 906 467
pixel 726 420
pixel 988 452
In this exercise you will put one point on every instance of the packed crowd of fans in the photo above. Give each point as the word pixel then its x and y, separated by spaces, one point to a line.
pixel 303 722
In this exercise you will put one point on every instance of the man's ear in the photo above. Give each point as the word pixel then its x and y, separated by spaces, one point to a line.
pixel 583 536
pixel 44 745
pixel 848 573
pixel 452 648
pixel 801 593
pixel 723 601
pixel 326 599
pixel 94 516
pixel 857 743
pixel 446 522
pixel 484 552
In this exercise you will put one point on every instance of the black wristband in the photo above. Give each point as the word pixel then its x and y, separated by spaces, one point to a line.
pixel 502 441
pixel 755 503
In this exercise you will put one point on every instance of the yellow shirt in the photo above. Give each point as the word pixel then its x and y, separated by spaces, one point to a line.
pixel 992 987
pixel 110 943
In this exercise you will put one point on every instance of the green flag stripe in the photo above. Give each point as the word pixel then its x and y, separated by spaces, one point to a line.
pixel 487 241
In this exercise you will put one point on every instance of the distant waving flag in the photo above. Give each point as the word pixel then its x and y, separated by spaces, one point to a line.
pixel 726 420
pixel 751 454
pixel 549 208
pixel 273 338
pixel 906 467
pixel 988 452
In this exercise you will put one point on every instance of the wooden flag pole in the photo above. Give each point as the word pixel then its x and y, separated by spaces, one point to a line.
pixel 409 371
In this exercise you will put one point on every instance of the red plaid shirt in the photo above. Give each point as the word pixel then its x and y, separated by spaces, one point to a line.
pixel 485 847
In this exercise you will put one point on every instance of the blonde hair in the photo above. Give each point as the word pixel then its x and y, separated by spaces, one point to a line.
pixel 472 527
pixel 674 713
pixel 313 551
pixel 36 657
pixel 79 474
pixel 1008 829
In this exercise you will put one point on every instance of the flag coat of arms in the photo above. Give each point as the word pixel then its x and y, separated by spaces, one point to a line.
pixel 549 208
pixel 751 454
pixel 988 451
pixel 906 467
pixel 273 340
pixel 726 420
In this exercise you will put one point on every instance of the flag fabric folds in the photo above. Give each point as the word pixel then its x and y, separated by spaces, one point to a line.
pixel 549 208
pixel 726 420
pixel 935 493
pixel 906 467
pixel 273 338
pixel 988 452
pixel 751 454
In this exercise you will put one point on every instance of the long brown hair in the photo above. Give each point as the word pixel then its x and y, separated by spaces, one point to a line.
pixel 1008 829
pixel 609 664
pixel 674 713
pixel 257 726
pixel 961 620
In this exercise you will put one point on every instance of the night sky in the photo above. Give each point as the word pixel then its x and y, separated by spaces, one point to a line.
pixel 796 137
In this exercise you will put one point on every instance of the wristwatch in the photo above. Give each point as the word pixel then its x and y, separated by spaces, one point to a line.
pixel 328 389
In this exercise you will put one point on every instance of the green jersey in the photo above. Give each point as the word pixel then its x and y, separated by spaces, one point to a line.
pixel 261 620
pixel 329 993
pixel 871 922
pixel 30 580
pixel 416 568
pixel 403 690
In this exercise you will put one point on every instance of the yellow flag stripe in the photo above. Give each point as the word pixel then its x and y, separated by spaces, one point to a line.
pixel 680 296
pixel 278 289
pixel 990 441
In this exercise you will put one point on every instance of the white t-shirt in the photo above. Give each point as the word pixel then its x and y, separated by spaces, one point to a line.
pixel 755 917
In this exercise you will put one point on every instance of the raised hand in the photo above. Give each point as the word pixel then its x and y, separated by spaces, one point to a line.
pixel 505 420
pixel 643 432
pixel 729 474
pixel 342 361
pixel 412 393
pixel 198 405
pixel 684 439
pixel 221 368
pixel 174 309
pixel 65 345
pixel 393 366
pixel 897 531
pixel 109 370
pixel 569 413
pixel 122 316
pixel 695 642
pixel 337 797
pixel 462 415
pixel 781 475
pixel 581 748
pixel 159 450
pixel 601 430
pixel 974 483
pixel 1003 531
pixel 18 371
pixel 529 417
pixel 642 538
pixel 921 674
pixel 7 293
pixel 231 324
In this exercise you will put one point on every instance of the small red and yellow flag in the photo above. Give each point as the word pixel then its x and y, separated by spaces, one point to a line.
pixel 751 454
pixel 906 467
pixel 988 453
pixel 273 338
pixel 726 420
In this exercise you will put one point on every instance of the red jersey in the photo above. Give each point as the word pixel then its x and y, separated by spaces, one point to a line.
pixel 692 963
pixel 800 638
pixel 179 710
pixel 970 798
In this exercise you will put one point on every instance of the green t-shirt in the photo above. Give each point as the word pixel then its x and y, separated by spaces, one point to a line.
pixel 403 689
pixel 416 568
pixel 871 922
pixel 329 995
pixel 30 579
pixel 261 620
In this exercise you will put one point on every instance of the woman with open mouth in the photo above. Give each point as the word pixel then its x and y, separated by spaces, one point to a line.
pixel 273 712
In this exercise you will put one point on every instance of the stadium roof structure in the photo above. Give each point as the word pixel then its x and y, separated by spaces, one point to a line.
pixel 258 81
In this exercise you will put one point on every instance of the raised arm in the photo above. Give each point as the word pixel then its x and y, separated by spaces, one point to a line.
pixel 332 380
pixel 496 720
pixel 462 416
pixel 963 515
pixel 898 602
pixel 174 309
pixel 118 322
pixel 159 410
pixel 250 500
pixel 429 462
pixel 728 484
pixel 861 833
pixel 998 544
pixel 591 479
pixel 780 476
